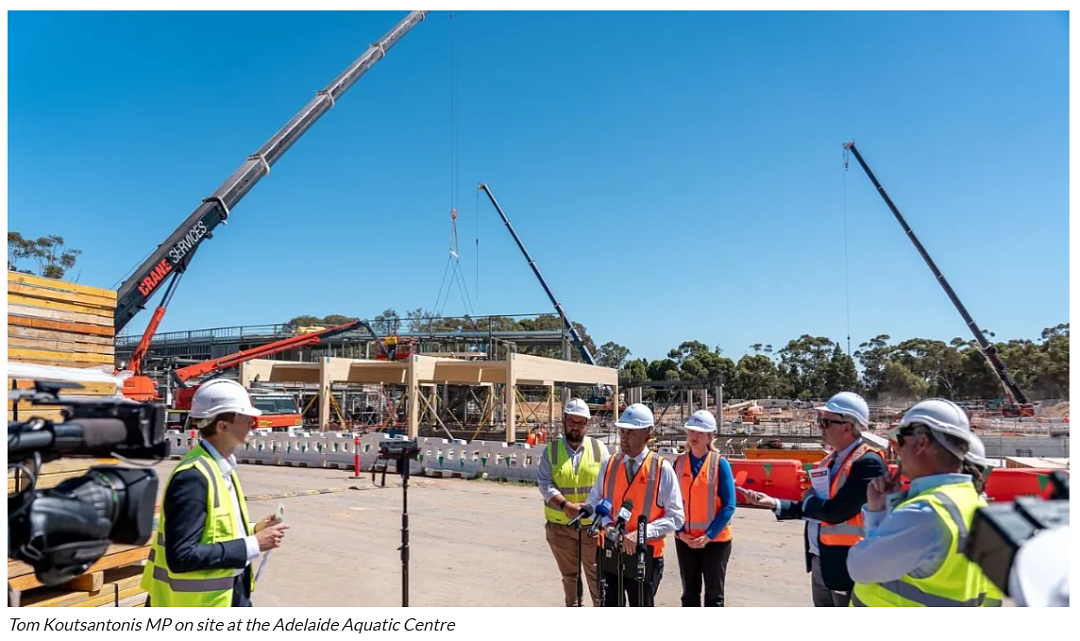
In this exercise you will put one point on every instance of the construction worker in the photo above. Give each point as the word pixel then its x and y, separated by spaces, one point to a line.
pixel 832 508
pixel 202 553
pixel 913 554
pixel 646 479
pixel 708 494
pixel 568 470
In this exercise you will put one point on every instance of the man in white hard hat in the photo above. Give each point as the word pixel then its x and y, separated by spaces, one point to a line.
pixel 833 507
pixel 201 555
pixel 568 469
pixel 913 553
pixel 641 477
pixel 703 544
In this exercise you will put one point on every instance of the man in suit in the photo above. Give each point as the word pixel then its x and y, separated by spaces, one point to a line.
pixel 832 508
pixel 202 552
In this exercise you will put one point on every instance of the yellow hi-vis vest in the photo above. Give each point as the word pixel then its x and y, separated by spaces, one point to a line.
pixel 574 486
pixel 959 582
pixel 201 588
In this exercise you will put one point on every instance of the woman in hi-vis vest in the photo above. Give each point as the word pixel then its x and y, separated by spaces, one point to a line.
pixel 708 493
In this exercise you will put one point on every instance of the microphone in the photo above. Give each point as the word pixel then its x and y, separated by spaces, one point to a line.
pixel 74 437
pixel 603 508
pixel 624 515
pixel 585 512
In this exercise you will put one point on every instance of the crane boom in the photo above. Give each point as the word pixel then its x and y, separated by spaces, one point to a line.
pixel 575 337
pixel 174 255
pixel 986 347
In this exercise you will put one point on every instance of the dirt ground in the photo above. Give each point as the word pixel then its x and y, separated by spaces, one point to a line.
pixel 473 543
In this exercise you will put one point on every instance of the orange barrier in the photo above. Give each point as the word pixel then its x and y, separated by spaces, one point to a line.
pixel 779 478
pixel 1006 484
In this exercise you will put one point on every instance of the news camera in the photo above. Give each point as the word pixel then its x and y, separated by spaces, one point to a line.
pixel 62 531
pixel 999 530
pixel 401 452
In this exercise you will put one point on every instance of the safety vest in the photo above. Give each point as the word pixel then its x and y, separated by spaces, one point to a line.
pixel 699 494
pixel 849 532
pixel 959 582
pixel 574 486
pixel 201 588
pixel 644 490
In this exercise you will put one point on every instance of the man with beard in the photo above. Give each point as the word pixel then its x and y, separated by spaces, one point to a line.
pixel 568 469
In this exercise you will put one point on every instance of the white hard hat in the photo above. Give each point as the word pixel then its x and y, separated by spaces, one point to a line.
pixel 848 404
pixel 577 407
pixel 219 396
pixel 943 416
pixel 636 417
pixel 701 421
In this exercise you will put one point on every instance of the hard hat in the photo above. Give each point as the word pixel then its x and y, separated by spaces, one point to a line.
pixel 577 407
pixel 219 396
pixel 701 421
pixel 945 417
pixel 848 404
pixel 636 417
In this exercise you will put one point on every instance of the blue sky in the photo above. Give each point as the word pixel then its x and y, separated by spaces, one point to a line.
pixel 676 176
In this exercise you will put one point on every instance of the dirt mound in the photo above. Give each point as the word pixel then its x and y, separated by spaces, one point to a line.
pixel 1056 411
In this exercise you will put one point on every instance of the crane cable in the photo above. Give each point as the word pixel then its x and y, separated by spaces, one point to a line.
pixel 453 263
pixel 847 289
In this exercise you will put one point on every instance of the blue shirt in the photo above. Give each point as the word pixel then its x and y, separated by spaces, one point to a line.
pixel 910 541
pixel 725 489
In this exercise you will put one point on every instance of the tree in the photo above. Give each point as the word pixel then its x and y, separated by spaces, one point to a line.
pixel 840 373
pixel 388 323
pixel 612 354
pixel 53 257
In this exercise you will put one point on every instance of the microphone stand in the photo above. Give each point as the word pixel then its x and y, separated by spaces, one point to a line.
pixel 619 558
pixel 601 550
pixel 642 546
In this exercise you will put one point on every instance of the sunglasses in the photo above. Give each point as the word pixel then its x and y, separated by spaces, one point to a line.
pixel 905 433
pixel 825 422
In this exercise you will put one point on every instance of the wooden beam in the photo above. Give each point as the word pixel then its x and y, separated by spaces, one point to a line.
pixel 511 400
pixel 414 398
pixel 325 389
pixel 17 278
pixel 537 368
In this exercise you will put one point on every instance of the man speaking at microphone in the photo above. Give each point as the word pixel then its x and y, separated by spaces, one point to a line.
pixel 648 481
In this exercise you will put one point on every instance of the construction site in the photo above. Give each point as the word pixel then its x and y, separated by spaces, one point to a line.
pixel 480 399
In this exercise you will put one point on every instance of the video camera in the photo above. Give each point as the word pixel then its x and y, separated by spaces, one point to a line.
pixel 999 530
pixel 400 451
pixel 62 531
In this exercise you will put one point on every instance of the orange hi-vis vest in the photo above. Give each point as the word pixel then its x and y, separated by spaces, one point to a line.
pixel 644 490
pixel 849 532
pixel 699 494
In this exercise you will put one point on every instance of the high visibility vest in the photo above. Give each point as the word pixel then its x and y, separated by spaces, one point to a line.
pixel 574 486
pixel 959 582
pixel 201 588
pixel 644 490
pixel 699 494
pixel 849 532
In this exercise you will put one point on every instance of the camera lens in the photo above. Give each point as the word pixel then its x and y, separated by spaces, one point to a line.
pixel 124 497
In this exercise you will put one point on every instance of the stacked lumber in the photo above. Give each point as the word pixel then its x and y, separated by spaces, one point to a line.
pixel 114 581
pixel 53 473
pixel 54 322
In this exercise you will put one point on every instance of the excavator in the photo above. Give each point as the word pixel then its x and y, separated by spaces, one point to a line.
pixel 171 258
pixel 1018 404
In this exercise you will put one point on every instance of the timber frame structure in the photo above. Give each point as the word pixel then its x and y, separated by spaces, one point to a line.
pixel 421 371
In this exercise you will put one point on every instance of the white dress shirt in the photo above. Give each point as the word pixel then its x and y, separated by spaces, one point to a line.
pixel 226 465
pixel 669 497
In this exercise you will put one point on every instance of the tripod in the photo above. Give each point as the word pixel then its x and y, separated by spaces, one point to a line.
pixel 403 467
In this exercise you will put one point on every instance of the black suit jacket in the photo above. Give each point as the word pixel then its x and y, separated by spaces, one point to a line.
pixel 848 502
pixel 185 505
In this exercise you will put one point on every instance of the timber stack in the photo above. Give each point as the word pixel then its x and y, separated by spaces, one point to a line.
pixel 55 322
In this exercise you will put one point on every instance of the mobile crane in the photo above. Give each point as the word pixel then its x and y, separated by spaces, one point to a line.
pixel 602 391
pixel 171 258
pixel 1018 401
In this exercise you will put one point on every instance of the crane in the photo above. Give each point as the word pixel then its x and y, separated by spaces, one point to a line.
pixel 575 337
pixel 1020 405
pixel 217 366
pixel 172 257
